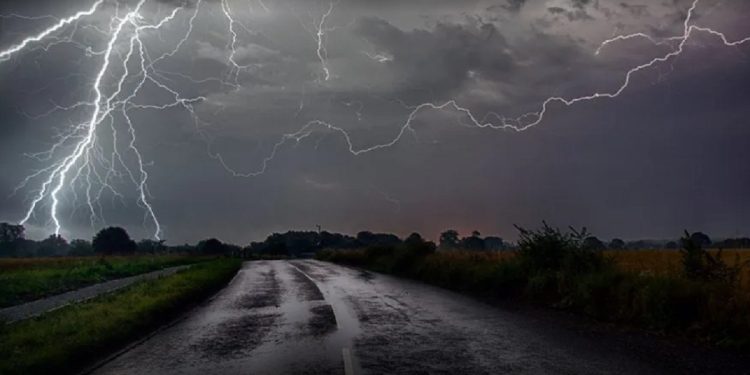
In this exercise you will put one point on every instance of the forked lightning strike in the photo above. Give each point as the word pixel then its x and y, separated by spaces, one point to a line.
pixel 87 157
pixel 519 123
pixel 87 163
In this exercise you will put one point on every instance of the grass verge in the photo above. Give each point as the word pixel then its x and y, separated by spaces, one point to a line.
pixel 24 280
pixel 66 340
pixel 554 269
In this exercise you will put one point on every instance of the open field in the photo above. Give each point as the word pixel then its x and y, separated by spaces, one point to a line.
pixel 65 340
pixel 667 262
pixel 24 280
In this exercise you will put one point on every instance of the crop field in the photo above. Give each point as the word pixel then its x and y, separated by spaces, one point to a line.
pixel 668 262
pixel 23 280
pixel 651 262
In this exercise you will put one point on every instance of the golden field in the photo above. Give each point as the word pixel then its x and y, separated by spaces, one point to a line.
pixel 645 262
pixel 668 262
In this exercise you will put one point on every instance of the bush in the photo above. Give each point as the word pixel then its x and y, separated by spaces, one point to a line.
pixel 567 270
pixel 550 250
pixel 699 264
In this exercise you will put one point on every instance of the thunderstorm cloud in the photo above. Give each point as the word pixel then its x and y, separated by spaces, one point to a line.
pixel 669 153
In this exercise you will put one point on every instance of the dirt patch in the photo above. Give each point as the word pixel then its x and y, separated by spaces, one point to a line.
pixel 237 336
pixel 323 320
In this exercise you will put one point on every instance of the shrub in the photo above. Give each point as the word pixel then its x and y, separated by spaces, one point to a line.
pixel 699 264
pixel 550 250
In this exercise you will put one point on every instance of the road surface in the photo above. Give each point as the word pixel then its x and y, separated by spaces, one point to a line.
pixel 309 317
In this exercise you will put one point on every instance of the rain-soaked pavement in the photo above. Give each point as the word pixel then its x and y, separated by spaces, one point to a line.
pixel 309 317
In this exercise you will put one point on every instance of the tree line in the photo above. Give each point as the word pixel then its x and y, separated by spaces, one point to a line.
pixel 116 240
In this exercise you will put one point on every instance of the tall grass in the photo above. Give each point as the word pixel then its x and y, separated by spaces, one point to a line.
pixel 23 280
pixel 641 288
pixel 65 340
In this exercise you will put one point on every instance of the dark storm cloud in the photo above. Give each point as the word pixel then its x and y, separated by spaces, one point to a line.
pixel 636 10
pixel 668 154
pixel 509 5
pixel 439 60
pixel 185 3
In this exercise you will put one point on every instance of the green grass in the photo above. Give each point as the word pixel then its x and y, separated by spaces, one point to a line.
pixel 24 280
pixel 66 340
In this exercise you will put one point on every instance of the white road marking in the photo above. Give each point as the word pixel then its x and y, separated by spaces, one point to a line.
pixel 348 367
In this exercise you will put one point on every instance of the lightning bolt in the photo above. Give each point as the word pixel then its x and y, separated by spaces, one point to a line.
pixel 6 54
pixel 79 157
pixel 320 35
pixel 493 120
pixel 83 163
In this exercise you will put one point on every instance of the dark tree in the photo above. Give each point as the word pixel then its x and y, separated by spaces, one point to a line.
pixel 616 244
pixel 81 248
pixel 449 239
pixel 416 245
pixel 474 242
pixel 493 243
pixel 414 239
pixel 593 243
pixel 54 245
pixel 700 239
pixel 366 238
pixel 671 245
pixel 735 243
pixel 211 246
pixel 10 232
pixel 113 240
pixel 151 246
pixel 11 239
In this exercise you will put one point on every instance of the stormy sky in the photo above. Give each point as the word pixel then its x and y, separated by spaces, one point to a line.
pixel 670 153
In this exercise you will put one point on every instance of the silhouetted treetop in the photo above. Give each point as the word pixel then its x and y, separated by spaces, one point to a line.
pixel 113 240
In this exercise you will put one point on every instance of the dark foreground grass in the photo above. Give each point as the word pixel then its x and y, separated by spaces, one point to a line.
pixel 581 281
pixel 66 340
pixel 24 280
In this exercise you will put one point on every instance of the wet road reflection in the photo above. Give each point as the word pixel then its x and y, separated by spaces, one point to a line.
pixel 309 317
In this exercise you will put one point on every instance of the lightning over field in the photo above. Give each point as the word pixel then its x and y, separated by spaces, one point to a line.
pixel 238 88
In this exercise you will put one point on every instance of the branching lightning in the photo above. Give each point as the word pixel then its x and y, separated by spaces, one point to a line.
pixel 93 154
pixel 518 123
pixel 87 163
pixel 6 54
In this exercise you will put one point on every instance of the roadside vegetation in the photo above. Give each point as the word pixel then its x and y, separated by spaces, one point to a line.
pixel 67 340
pixel 28 279
pixel 692 291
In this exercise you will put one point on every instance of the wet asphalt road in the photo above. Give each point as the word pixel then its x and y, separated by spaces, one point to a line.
pixel 309 317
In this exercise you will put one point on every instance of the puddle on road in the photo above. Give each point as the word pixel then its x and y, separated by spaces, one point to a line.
pixel 272 319
pixel 309 331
